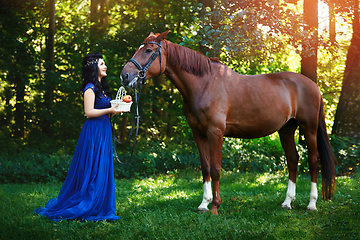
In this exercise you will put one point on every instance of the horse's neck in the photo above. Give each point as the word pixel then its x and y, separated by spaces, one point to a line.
pixel 186 83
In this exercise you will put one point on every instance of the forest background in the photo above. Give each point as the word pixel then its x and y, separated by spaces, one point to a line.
pixel 43 42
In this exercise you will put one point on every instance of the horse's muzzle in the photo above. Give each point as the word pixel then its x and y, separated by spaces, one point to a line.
pixel 125 80
pixel 133 83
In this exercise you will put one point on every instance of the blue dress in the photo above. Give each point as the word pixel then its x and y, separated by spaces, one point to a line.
pixel 88 192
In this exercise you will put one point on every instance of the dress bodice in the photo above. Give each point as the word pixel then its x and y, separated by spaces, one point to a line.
pixel 100 103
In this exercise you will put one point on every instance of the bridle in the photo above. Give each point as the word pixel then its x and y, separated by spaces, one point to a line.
pixel 143 69
pixel 142 77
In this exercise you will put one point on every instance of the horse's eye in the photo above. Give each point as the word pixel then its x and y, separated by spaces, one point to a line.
pixel 149 50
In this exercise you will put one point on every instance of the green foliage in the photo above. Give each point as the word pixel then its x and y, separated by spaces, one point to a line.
pixel 248 31
pixel 158 157
pixel 25 81
pixel 171 155
pixel 330 75
pixel 164 207
pixel 251 37
pixel 34 166
pixel 256 155
pixel 347 152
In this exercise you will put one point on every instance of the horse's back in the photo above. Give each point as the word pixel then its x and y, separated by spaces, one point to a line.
pixel 280 78
pixel 261 104
pixel 277 86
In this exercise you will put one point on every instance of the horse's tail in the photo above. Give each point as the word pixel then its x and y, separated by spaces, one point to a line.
pixel 327 156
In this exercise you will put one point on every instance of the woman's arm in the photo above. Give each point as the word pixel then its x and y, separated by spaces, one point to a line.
pixel 90 111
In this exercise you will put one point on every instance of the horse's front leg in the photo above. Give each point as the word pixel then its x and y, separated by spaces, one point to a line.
pixel 215 137
pixel 203 147
pixel 286 134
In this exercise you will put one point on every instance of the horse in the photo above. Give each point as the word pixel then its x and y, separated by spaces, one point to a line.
pixel 218 102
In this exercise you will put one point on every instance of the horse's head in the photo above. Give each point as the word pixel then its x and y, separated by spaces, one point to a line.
pixel 148 61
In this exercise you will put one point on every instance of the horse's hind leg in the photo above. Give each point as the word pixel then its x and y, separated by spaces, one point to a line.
pixel 313 156
pixel 292 157
pixel 203 146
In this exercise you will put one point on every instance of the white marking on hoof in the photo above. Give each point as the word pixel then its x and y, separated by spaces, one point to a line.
pixel 313 197
pixel 207 197
pixel 290 195
pixel 283 206
pixel 310 208
pixel 203 210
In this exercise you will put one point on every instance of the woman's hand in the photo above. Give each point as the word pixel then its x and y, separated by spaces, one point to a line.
pixel 114 111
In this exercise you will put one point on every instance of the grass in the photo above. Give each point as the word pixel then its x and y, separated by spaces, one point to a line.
pixel 164 207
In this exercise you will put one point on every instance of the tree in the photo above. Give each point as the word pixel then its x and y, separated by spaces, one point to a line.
pixel 17 60
pixel 99 20
pixel 134 20
pixel 49 65
pixel 247 35
pixel 39 82
pixel 309 42
pixel 347 117
pixel 332 30
pixel 309 46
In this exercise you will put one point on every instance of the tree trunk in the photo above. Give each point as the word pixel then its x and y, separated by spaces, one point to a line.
pixel 159 81
pixel 123 128
pixel 93 21
pixel 19 107
pixel 49 65
pixel 104 18
pixel 7 95
pixel 347 117
pixel 169 127
pixel 309 45
pixel 332 21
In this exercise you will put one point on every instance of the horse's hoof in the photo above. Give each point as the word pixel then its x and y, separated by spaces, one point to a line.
pixel 311 209
pixel 214 211
pixel 202 210
pixel 286 207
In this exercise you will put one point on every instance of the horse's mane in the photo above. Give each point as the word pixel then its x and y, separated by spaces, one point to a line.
pixel 187 59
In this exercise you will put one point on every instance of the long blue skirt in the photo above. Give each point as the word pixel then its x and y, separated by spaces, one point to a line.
pixel 88 192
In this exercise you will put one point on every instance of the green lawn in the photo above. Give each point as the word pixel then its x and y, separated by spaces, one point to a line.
pixel 164 207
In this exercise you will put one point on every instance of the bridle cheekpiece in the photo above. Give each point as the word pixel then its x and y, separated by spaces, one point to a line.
pixel 143 69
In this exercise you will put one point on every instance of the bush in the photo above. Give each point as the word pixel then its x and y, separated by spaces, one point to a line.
pixel 178 153
pixel 34 166
pixel 158 157
pixel 253 155
pixel 347 153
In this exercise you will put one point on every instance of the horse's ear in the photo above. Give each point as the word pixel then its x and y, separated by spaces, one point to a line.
pixel 162 36
pixel 151 34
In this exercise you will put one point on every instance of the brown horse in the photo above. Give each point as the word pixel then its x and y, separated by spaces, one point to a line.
pixel 219 102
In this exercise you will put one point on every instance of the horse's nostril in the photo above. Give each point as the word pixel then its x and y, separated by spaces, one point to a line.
pixel 125 76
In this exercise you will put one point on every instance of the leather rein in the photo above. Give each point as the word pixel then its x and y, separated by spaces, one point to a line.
pixel 141 76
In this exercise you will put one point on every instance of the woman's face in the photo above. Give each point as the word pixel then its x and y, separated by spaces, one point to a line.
pixel 102 69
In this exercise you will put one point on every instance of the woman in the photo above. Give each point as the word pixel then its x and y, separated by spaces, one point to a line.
pixel 88 192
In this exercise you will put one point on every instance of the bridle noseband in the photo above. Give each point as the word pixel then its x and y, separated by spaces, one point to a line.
pixel 143 69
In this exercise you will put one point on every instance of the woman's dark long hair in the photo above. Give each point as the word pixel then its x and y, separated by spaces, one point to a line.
pixel 90 72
